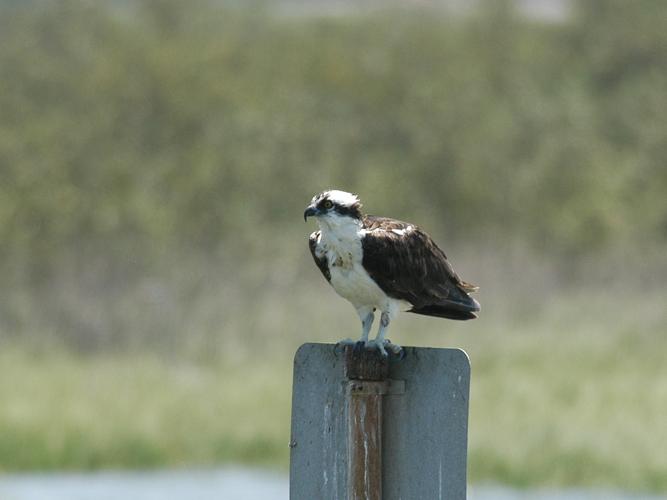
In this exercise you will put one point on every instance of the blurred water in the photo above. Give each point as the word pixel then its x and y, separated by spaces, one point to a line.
pixel 228 484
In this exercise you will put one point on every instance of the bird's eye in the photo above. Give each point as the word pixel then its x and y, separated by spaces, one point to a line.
pixel 328 204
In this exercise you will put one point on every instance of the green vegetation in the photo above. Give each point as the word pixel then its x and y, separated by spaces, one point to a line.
pixel 155 160
pixel 575 403
pixel 136 136
pixel 62 411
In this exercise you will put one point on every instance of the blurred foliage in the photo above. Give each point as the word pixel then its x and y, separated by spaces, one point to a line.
pixel 156 157
pixel 561 400
pixel 140 140
pixel 137 411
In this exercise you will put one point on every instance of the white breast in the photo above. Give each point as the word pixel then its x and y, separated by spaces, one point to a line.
pixel 348 276
pixel 355 285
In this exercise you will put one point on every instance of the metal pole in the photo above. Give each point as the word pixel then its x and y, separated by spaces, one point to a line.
pixel 367 373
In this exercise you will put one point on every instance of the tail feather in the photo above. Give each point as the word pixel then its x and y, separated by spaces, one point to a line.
pixel 450 309
pixel 468 287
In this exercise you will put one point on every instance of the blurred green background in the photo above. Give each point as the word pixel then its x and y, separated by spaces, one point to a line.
pixel 155 161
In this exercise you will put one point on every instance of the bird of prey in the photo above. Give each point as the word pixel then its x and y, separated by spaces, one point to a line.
pixel 382 264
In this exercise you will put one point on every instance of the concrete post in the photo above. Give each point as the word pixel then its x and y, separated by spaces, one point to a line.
pixel 409 434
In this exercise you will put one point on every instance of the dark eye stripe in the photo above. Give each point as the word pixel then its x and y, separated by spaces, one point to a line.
pixel 352 211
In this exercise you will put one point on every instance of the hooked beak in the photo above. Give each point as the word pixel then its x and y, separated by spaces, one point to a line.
pixel 310 212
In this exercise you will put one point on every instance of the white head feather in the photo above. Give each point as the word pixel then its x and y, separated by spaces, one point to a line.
pixel 341 197
pixel 332 220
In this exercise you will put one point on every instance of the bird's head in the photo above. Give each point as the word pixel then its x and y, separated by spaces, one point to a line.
pixel 333 205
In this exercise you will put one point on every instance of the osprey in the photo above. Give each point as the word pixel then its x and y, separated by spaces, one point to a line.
pixel 383 264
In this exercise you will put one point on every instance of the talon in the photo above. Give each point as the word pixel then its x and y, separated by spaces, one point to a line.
pixel 359 346
pixel 395 349
pixel 375 344
pixel 340 345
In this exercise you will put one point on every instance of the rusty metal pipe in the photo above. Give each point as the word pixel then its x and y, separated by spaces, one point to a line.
pixel 365 439
pixel 367 374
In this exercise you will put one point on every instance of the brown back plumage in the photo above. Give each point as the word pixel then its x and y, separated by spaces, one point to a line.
pixel 407 264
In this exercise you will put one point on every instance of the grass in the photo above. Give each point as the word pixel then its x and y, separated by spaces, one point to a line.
pixel 61 411
pixel 576 399
pixel 561 396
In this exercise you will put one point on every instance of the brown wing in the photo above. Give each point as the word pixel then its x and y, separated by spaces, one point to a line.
pixel 321 262
pixel 407 264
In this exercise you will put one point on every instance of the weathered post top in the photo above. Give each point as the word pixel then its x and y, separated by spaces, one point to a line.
pixel 362 364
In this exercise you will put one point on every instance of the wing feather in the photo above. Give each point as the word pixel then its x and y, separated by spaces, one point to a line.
pixel 320 260
pixel 407 264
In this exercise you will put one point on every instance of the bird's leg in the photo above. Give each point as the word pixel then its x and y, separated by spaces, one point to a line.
pixel 367 316
pixel 380 343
